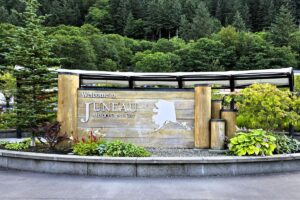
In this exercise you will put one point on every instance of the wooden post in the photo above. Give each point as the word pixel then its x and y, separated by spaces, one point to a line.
pixel 67 103
pixel 230 117
pixel 217 128
pixel 216 106
pixel 202 116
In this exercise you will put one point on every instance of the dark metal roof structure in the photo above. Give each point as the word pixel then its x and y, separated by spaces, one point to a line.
pixel 218 80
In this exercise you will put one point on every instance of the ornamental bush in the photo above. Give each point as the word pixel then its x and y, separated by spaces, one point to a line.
pixel 286 144
pixel 94 146
pixel 87 146
pixel 297 84
pixel 267 107
pixel 122 149
pixel 8 119
pixel 18 145
pixel 256 142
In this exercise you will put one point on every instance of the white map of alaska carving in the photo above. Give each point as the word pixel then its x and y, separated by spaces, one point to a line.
pixel 165 113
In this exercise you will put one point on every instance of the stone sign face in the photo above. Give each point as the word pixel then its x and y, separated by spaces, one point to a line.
pixel 147 118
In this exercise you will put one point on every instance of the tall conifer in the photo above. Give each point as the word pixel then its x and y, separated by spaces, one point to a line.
pixel 30 54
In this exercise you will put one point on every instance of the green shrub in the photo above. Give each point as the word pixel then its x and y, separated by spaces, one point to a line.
pixel 87 146
pixel 297 84
pixel 121 149
pixel 267 107
pixel 8 120
pixel 296 108
pixel 102 148
pixel 18 145
pixel 85 149
pixel 3 143
pixel 286 144
pixel 256 142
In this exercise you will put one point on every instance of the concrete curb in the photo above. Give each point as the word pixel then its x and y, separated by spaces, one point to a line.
pixel 148 167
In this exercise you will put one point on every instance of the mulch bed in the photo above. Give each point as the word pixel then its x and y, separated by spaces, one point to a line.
pixel 39 148
pixel 180 152
pixel 155 152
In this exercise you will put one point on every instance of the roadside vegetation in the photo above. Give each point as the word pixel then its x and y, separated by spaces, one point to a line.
pixel 147 36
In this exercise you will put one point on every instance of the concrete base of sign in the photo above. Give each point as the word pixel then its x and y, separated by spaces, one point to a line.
pixel 148 167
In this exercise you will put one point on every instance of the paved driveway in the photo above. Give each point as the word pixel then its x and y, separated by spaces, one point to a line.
pixel 26 185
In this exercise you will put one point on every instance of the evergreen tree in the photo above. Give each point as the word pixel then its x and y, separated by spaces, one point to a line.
pixel 30 50
pixel 232 7
pixel 153 20
pixel 185 28
pixel 238 22
pixel 6 30
pixel 170 11
pixel 64 12
pixel 245 13
pixel 255 8
pixel 219 11
pixel 282 27
pixel 134 28
pixel 269 15
pixel 119 13
pixel 202 24
pixel 189 8
pixel 4 15
pixel 99 16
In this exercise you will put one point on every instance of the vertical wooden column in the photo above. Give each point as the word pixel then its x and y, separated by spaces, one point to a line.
pixel 217 130
pixel 230 117
pixel 216 106
pixel 67 103
pixel 202 116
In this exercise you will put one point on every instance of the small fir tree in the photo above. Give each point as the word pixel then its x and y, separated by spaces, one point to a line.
pixel 282 27
pixel 30 54
pixel 238 22
pixel 202 24
pixel 134 27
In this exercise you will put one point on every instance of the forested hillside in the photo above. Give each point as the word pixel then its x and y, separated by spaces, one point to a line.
pixel 154 19
pixel 166 35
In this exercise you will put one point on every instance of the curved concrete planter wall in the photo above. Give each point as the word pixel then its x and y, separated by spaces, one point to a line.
pixel 148 167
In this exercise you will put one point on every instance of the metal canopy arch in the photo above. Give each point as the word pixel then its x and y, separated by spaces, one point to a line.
pixel 183 80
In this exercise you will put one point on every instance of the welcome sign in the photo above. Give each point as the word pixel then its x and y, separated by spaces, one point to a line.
pixel 148 118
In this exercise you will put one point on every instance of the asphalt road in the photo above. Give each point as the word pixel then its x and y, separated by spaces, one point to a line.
pixel 27 185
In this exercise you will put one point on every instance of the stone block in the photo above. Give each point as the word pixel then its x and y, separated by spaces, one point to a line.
pixel 161 170
pixel 111 169
pixel 3 162
pixel 47 166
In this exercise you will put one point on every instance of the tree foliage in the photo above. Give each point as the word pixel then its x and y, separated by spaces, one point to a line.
pixel 255 143
pixel 30 55
pixel 282 27
pixel 154 19
pixel 265 106
pixel 155 62
pixel 103 42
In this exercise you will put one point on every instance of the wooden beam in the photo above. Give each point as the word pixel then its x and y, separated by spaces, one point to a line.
pixel 217 128
pixel 230 117
pixel 202 116
pixel 67 103
pixel 216 106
